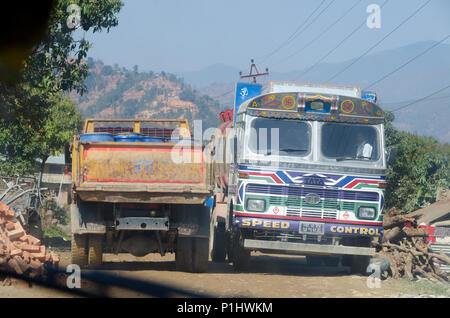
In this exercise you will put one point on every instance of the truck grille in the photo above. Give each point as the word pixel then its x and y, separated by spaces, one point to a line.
pixel 331 200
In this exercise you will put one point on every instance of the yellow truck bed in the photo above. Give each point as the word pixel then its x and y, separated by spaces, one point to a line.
pixel 147 172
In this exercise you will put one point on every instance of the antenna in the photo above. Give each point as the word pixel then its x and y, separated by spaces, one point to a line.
pixel 257 74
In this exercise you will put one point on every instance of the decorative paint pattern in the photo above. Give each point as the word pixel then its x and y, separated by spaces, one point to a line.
pixel 315 196
pixel 334 180
pixel 336 108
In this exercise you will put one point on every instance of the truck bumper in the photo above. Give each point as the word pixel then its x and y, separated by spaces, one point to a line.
pixel 304 248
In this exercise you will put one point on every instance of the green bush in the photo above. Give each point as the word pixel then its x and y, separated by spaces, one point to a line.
pixel 61 214
pixel 421 166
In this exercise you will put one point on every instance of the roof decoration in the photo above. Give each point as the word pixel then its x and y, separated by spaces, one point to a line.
pixel 312 106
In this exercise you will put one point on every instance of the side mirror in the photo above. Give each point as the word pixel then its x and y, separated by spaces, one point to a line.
pixel 235 150
pixel 390 156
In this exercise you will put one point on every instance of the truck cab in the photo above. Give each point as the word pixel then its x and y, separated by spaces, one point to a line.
pixel 308 178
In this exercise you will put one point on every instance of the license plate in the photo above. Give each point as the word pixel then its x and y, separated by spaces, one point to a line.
pixel 311 228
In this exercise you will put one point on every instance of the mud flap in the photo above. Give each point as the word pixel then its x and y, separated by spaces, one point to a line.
pixel 86 218
pixel 193 220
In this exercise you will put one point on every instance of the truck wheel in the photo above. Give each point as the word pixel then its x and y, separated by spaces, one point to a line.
pixel 359 264
pixel 79 252
pixel 217 243
pixel 241 258
pixel 183 254
pixel 95 253
pixel 200 253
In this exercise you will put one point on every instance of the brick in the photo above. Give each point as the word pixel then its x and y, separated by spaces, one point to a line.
pixel 38 256
pixel 31 248
pixel 34 241
pixel 16 252
pixel 26 256
pixel 35 265
pixel 24 238
pixel 12 263
pixel 10 226
pixel 10 245
pixel 22 264
pixel 18 226
pixel 9 214
pixel 15 234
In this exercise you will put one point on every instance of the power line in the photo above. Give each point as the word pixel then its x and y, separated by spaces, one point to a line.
pixel 408 62
pixel 221 95
pixel 376 44
pixel 420 99
pixel 406 101
pixel 315 19
pixel 320 35
pixel 337 46
pixel 264 58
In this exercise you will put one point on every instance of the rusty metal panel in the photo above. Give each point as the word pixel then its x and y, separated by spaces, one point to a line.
pixel 142 164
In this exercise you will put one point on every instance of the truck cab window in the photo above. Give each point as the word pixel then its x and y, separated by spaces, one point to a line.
pixel 349 142
pixel 280 137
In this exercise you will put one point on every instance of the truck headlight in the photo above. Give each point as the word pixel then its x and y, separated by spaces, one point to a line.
pixel 366 212
pixel 256 205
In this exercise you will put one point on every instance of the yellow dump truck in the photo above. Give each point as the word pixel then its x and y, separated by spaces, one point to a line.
pixel 140 187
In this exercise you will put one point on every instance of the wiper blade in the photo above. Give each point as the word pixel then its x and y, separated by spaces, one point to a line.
pixel 286 150
pixel 352 158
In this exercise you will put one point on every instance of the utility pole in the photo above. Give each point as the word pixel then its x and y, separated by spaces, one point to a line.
pixel 251 75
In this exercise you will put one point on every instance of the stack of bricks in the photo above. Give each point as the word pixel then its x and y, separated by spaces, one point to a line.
pixel 19 252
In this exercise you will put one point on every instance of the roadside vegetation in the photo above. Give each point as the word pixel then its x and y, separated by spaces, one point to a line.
pixel 420 168
pixel 37 117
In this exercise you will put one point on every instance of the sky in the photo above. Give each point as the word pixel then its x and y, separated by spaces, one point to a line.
pixel 188 35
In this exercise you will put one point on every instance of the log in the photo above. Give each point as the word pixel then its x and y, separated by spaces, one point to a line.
pixel 393 234
pixel 396 220
pixel 411 232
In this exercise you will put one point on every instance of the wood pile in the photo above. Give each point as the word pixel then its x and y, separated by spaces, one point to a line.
pixel 19 252
pixel 404 244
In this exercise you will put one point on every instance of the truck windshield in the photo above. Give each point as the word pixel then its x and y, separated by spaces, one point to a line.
pixel 280 137
pixel 349 142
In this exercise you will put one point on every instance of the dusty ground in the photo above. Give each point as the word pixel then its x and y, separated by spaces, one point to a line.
pixel 271 276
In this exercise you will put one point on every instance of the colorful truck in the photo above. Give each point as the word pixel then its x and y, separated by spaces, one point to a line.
pixel 306 176
pixel 139 187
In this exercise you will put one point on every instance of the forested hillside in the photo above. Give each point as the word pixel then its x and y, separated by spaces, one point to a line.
pixel 115 92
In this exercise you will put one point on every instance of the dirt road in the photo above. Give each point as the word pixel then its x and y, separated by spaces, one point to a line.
pixel 270 276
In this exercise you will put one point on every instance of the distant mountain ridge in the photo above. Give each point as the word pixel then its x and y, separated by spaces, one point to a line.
pixel 421 77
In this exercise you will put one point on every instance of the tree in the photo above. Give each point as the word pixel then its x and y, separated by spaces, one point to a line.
pixel 421 166
pixel 63 123
pixel 56 65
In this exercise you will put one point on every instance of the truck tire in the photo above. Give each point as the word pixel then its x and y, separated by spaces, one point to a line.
pixel 200 253
pixel 183 254
pixel 192 254
pixel 79 250
pixel 241 258
pixel 95 253
pixel 359 264
pixel 217 243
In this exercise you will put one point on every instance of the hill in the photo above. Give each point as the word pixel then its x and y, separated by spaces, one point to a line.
pixel 114 92
pixel 424 75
